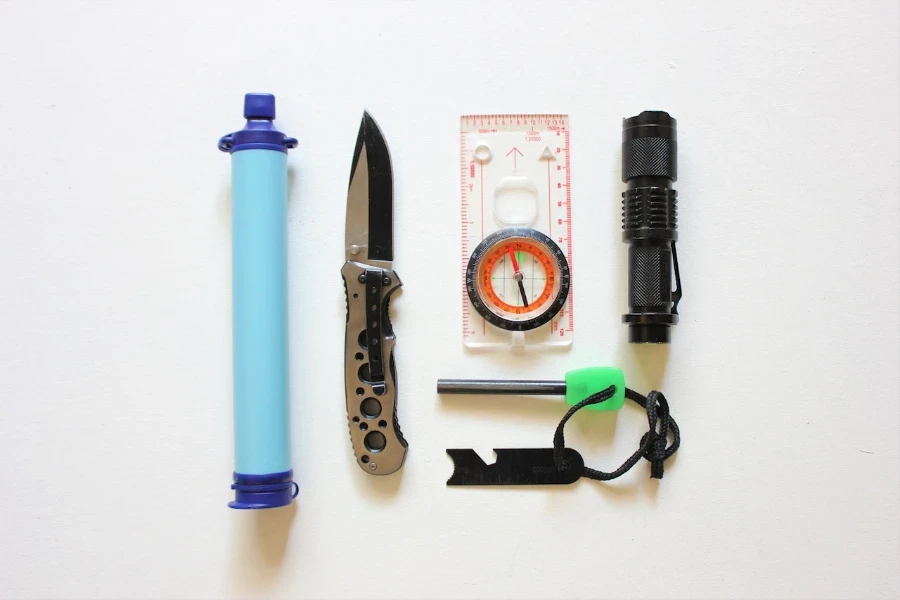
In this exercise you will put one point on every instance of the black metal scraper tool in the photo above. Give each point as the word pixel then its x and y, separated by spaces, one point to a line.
pixel 514 466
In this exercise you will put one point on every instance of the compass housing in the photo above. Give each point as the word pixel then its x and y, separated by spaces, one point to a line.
pixel 503 308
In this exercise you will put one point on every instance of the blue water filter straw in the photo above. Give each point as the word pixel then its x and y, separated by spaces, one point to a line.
pixel 263 477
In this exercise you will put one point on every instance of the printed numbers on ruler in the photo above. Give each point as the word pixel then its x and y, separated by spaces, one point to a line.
pixel 496 149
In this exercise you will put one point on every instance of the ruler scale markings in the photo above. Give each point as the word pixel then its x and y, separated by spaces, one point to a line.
pixel 549 202
pixel 571 300
pixel 465 228
pixel 481 181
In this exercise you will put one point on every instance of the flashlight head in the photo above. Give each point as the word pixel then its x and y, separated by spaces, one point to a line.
pixel 649 147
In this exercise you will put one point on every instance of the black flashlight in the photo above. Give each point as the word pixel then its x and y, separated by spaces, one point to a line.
pixel 649 221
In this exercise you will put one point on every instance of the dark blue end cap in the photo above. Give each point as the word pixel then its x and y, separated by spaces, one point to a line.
pixel 259 133
pixel 263 491
pixel 259 106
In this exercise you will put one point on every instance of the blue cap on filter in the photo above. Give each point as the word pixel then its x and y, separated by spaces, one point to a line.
pixel 263 491
pixel 259 106
pixel 259 133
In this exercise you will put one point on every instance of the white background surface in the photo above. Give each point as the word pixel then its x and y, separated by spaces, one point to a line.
pixel 115 389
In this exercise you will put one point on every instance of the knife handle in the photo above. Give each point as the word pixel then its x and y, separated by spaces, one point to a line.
pixel 370 374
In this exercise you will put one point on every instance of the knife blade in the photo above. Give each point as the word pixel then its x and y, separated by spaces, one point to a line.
pixel 370 375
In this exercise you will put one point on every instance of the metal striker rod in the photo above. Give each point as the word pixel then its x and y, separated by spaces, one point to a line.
pixel 505 387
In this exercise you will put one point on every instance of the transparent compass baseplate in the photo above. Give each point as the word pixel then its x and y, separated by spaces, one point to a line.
pixel 514 172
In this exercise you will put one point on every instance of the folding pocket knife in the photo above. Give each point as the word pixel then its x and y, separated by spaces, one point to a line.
pixel 369 371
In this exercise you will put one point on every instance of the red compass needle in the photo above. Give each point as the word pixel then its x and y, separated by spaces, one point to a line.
pixel 518 275
pixel 515 263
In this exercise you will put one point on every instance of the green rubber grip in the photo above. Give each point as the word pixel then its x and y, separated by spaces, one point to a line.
pixel 582 383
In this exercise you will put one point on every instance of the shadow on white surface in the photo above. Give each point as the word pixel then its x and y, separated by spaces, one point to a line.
pixel 538 409
pixel 644 365
pixel 378 488
pixel 627 493
pixel 258 548
pixel 223 202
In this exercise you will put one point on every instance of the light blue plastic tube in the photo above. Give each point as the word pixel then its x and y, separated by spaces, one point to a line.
pixel 263 477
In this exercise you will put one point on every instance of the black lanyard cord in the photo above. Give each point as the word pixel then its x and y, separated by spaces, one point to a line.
pixel 653 443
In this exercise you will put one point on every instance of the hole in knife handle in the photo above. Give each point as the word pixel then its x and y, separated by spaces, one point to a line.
pixel 375 441
pixel 362 340
pixel 370 408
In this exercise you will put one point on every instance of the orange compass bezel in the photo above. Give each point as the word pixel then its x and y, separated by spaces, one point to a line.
pixel 498 253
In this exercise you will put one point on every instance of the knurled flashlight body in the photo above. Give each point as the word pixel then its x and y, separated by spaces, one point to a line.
pixel 649 223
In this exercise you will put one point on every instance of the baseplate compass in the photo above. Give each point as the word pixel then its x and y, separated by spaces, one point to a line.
pixel 514 173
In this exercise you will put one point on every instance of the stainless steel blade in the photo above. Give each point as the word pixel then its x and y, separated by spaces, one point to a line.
pixel 368 235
